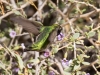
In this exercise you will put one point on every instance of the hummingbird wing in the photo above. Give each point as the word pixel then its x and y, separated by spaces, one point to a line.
pixel 26 24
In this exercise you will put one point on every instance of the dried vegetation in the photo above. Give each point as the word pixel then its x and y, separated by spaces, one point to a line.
pixel 30 44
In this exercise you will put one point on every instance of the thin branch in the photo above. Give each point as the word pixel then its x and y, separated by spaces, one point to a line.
pixel 9 13
pixel 13 4
pixel 59 66
pixel 52 69
pixel 4 1
pixel 39 9
pixel 95 69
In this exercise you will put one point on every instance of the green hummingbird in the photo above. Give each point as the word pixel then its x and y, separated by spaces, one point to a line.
pixel 45 32
pixel 41 32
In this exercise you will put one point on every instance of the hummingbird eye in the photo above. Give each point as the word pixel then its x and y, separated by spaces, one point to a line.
pixel 59 30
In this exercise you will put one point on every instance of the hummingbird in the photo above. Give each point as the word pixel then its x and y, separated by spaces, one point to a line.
pixel 42 32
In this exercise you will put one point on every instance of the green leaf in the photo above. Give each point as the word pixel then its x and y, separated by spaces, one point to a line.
pixel 50 5
pixel 0 21
pixel 87 27
pixel 83 10
pixel 35 61
pixel 61 4
pixel 76 67
pixel 85 63
pixel 76 35
pixel 8 7
pixel 43 72
pixel 98 35
pixel 16 47
pixel 90 34
pixel 67 73
pixel 98 56
pixel 80 73
pixel 20 62
pixel 17 12
pixel 68 69
pixel 80 58
pixel 61 21
pixel 55 48
pixel 86 56
pixel 20 3
pixel 2 66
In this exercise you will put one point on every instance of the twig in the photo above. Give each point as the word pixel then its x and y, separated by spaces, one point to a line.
pixel 13 4
pixel 39 9
pixel 70 9
pixel 39 16
pixel 87 66
pixel 7 50
pixel 36 66
pixel 59 66
pixel 11 12
pixel 52 69
pixel 22 34
pixel 4 1
pixel 58 10
pixel 20 31
pixel 12 40
pixel 42 63
pixel 74 45
pixel 98 26
pixel 95 69
pixel 65 46
pixel 87 4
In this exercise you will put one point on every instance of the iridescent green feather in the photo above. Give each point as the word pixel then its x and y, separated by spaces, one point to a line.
pixel 45 31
